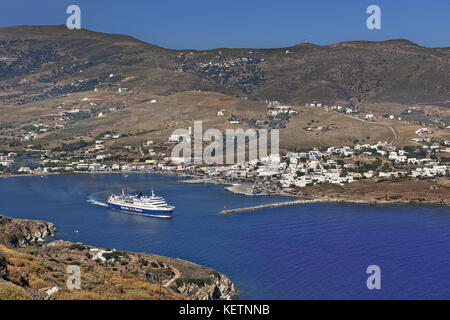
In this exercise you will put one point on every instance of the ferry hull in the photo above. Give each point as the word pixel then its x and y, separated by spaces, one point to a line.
pixel 142 212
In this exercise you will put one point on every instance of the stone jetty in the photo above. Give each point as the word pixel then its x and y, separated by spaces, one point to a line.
pixel 272 205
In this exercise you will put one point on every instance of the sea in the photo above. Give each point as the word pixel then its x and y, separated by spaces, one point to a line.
pixel 310 251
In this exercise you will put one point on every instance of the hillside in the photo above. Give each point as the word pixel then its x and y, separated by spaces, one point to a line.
pixel 40 62
pixel 113 81
pixel 31 270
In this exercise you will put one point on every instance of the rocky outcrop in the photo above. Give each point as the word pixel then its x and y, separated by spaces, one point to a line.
pixel 223 288
pixel 17 233
pixel 219 288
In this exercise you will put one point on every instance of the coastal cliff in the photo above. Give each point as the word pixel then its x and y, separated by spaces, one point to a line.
pixel 219 288
pixel 18 233
pixel 30 269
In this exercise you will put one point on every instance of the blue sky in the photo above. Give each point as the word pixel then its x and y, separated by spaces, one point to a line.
pixel 206 24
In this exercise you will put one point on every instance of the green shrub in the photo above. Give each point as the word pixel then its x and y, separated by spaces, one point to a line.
pixel 154 271
pixel 143 262
pixel 77 246
pixel 116 255
pixel 197 281
pixel 174 288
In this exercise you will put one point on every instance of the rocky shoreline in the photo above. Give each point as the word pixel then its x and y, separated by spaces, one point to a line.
pixel 31 269
pixel 18 233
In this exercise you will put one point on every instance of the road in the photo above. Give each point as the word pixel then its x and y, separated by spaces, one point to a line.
pixel 378 124
pixel 177 275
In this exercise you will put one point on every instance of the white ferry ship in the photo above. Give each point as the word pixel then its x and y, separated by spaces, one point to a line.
pixel 140 204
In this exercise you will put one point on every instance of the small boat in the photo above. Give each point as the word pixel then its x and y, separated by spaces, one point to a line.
pixel 141 204
pixel 256 190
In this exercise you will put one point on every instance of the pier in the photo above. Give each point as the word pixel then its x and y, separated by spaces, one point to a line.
pixel 271 205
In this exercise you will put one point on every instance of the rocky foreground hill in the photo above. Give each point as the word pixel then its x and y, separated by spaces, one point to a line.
pixel 30 269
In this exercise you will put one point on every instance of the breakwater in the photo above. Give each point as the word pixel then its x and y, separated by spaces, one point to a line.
pixel 271 205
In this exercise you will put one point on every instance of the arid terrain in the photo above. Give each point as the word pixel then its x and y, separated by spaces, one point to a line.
pixel 406 192
pixel 78 85
pixel 30 269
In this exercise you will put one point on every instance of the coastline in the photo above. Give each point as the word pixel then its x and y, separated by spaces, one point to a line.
pixel 125 275
pixel 315 196
pixel 310 193
pixel 242 203
pixel 371 200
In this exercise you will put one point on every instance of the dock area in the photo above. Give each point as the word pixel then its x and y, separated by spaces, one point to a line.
pixel 204 180
pixel 271 205
pixel 245 189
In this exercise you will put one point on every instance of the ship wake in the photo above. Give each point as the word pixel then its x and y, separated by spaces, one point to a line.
pixel 97 203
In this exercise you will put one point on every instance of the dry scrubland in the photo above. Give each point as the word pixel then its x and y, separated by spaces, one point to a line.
pixel 141 120
pixel 49 66
pixel 38 270
pixel 29 269
pixel 415 191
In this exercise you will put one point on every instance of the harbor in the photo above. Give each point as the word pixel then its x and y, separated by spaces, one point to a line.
pixel 252 249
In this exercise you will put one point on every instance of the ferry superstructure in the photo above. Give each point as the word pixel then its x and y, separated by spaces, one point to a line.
pixel 141 204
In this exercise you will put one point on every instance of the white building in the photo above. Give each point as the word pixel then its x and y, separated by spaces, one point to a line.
pixel 6 161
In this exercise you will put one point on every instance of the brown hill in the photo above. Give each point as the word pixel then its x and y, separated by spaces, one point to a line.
pixel 47 71
pixel 41 62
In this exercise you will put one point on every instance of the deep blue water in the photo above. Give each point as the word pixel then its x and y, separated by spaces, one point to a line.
pixel 317 251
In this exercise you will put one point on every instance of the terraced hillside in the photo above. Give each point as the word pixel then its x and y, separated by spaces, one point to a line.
pixel 81 84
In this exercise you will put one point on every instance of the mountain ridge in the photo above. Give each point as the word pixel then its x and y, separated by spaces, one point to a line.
pixel 355 72
pixel 64 29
